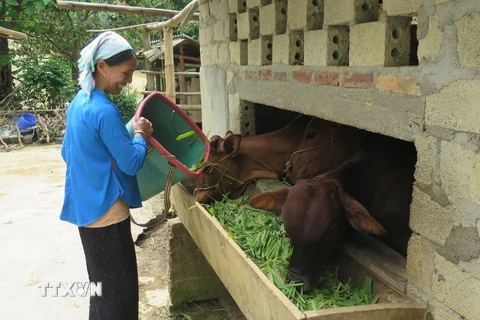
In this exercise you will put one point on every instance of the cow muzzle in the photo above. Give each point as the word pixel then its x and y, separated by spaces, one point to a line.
pixel 294 277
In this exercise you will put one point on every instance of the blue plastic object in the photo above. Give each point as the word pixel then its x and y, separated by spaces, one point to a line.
pixel 169 122
pixel 27 120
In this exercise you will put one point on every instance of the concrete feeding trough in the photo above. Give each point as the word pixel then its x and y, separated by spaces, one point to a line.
pixel 258 298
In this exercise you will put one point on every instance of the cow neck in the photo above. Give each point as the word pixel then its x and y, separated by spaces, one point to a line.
pixel 344 173
pixel 265 155
pixel 268 152
pixel 331 142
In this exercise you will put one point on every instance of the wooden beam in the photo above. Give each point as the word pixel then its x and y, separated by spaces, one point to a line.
pixel 14 112
pixel 193 65
pixel 169 66
pixel 12 33
pixel 170 23
pixel 188 58
pixel 174 21
pixel 188 93
pixel 148 63
pixel 181 77
pixel 176 93
pixel 73 5
pixel 391 311
pixel 190 107
pixel 189 14
pixel 191 74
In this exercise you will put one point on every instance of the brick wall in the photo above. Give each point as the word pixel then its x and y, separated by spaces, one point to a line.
pixel 407 69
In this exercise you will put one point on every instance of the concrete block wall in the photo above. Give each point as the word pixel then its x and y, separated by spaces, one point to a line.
pixel 433 103
pixel 387 42
pixel 402 8
pixel 447 174
pixel 346 12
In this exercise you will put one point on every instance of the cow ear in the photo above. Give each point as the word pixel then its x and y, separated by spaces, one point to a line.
pixel 214 144
pixel 231 145
pixel 358 216
pixel 271 201
pixel 228 134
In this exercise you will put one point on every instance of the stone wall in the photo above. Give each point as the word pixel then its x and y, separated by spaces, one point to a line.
pixel 357 63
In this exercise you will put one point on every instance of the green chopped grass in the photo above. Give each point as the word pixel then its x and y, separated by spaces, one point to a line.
pixel 261 235
pixel 200 163
pixel 191 133
pixel 193 136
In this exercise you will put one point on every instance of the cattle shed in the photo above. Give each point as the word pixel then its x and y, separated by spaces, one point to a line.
pixel 404 69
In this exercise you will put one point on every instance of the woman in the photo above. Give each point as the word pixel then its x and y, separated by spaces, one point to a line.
pixel 100 184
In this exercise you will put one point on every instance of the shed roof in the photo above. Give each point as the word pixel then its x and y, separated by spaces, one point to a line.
pixel 191 48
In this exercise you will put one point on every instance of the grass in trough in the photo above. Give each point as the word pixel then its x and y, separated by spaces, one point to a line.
pixel 261 235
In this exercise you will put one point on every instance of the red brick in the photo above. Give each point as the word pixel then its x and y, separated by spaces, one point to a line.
pixel 303 76
pixel 280 76
pixel 358 80
pixel 240 74
pixel 401 84
pixel 265 74
pixel 327 79
pixel 252 75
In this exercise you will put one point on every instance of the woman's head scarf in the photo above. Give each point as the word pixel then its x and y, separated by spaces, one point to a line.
pixel 104 46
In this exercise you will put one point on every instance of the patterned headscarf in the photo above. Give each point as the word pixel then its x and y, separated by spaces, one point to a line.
pixel 104 46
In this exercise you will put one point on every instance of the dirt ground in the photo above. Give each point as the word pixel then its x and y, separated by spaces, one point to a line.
pixel 37 248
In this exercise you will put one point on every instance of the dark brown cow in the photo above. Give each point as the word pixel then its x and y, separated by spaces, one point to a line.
pixel 325 145
pixel 371 190
pixel 237 161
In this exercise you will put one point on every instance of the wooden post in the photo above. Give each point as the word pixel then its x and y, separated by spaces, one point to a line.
pixel 148 64
pixel 181 78
pixel 169 66
pixel 161 78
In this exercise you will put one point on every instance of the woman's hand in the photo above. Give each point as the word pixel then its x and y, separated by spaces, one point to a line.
pixel 143 126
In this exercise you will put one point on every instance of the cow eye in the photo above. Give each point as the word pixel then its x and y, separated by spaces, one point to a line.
pixel 311 135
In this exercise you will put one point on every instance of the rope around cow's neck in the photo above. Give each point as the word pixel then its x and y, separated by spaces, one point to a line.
pixel 288 165
pixel 217 185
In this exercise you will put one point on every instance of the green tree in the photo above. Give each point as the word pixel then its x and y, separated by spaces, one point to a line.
pixel 46 83
pixel 10 12
pixel 62 33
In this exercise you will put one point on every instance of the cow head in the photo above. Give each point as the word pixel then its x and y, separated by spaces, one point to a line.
pixel 324 146
pixel 316 215
pixel 222 174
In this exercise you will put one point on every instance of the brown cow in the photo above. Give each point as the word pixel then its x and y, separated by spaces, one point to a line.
pixel 318 212
pixel 235 160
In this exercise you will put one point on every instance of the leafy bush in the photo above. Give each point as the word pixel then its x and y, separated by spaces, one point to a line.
pixel 191 29
pixel 46 84
pixel 127 102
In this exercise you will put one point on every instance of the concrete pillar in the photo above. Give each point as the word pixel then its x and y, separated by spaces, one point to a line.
pixel 190 277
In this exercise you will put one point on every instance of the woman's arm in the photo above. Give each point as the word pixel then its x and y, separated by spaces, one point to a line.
pixel 129 154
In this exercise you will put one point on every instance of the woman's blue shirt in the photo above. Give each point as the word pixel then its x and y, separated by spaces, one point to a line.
pixel 94 136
